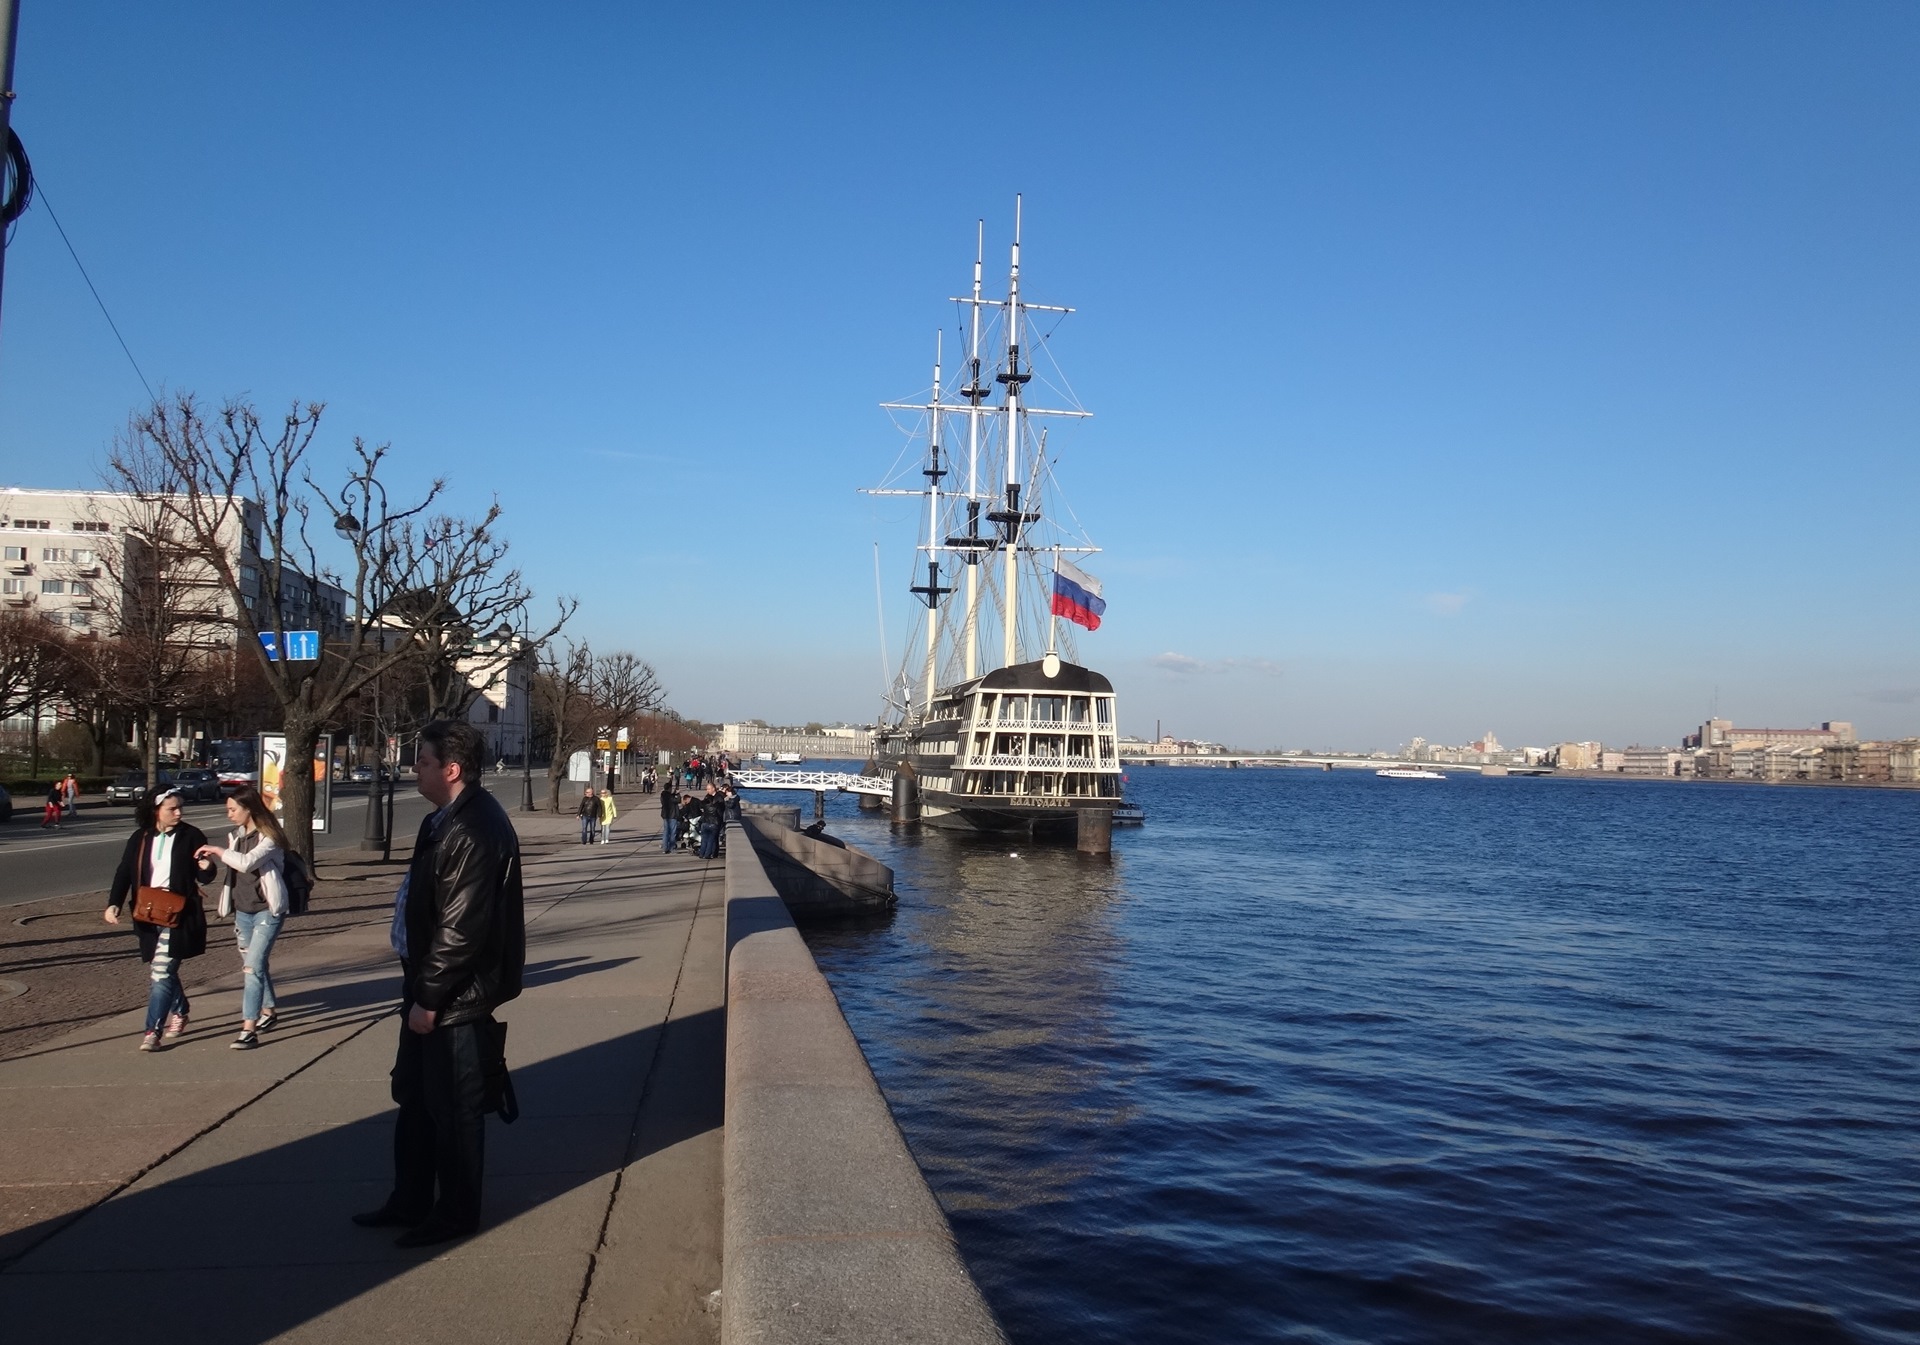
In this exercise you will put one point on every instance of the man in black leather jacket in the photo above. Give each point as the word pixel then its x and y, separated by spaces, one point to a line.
pixel 460 930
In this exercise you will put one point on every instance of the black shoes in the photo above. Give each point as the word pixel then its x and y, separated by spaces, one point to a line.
pixel 433 1231
pixel 388 1217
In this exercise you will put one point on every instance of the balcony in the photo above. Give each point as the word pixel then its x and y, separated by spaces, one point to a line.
pixel 1025 763
pixel 19 567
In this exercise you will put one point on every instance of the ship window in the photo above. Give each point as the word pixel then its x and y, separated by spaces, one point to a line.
pixel 1013 709
pixel 1049 709
pixel 1103 707
pixel 1077 710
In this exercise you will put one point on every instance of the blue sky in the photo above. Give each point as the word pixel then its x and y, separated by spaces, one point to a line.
pixel 1541 368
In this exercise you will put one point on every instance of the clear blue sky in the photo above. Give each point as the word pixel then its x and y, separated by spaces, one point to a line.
pixel 1546 368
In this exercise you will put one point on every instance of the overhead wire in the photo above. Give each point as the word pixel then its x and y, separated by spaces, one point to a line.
pixel 40 188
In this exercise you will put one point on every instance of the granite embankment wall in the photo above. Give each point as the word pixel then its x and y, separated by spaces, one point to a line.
pixel 830 1230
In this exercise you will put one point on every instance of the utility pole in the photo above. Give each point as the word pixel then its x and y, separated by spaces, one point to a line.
pixel 17 200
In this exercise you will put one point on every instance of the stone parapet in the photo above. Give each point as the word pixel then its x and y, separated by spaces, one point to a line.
pixel 830 1230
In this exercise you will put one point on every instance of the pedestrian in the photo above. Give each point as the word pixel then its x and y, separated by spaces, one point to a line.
pixel 160 879
pixel 71 788
pixel 712 809
pixel 50 814
pixel 689 820
pixel 589 816
pixel 255 892
pixel 669 821
pixel 607 813
pixel 459 927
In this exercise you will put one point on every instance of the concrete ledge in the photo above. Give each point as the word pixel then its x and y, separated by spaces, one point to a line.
pixel 830 1231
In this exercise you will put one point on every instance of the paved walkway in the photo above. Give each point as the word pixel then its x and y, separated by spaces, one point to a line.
pixel 213 1186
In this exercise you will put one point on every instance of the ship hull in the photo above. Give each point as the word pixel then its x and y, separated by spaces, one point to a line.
pixel 1020 751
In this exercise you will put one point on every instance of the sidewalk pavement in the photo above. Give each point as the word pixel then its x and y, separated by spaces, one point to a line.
pixel 213 1186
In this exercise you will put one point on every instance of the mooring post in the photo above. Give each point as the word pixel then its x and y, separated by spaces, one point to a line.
pixel 1094 835
pixel 906 800
pixel 819 805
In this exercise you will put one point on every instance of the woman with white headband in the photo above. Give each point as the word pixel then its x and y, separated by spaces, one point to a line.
pixel 160 877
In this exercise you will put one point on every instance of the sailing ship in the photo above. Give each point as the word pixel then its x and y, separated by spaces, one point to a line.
pixel 1027 741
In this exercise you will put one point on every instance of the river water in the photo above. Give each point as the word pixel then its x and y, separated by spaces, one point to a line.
pixel 1330 1058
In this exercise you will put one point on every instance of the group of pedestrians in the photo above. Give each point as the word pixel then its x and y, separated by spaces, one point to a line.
pixel 697 820
pixel 458 930
pixel 597 811
pixel 63 801
pixel 166 862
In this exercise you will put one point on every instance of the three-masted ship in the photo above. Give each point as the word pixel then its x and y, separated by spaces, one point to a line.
pixel 1028 740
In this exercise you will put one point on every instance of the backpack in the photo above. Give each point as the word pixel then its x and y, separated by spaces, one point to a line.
pixel 298 876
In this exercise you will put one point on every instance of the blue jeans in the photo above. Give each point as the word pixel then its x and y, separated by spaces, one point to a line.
pixel 709 840
pixel 165 994
pixel 255 932
pixel 588 826
pixel 669 834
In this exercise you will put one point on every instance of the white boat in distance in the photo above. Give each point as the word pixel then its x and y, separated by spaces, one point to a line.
pixel 1409 773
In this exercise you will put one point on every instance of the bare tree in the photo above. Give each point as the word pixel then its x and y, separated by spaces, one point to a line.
pixel 170 617
pixel 624 688
pixel 563 698
pixel 33 669
pixel 249 503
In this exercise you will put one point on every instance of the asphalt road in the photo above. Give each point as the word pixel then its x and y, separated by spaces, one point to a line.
pixel 81 856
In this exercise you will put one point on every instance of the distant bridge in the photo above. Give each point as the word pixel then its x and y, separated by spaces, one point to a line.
pixel 816 782
pixel 1326 763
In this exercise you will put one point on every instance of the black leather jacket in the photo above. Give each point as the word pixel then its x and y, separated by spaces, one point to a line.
pixel 466 925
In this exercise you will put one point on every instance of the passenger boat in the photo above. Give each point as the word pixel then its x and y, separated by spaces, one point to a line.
pixel 1022 742
pixel 1409 773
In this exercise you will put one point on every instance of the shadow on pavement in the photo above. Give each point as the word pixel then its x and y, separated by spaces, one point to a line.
pixel 241 1249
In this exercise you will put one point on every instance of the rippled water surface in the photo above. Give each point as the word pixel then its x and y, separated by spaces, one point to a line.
pixel 1332 1058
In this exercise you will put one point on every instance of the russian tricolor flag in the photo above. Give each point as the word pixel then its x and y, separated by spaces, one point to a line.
pixel 1076 595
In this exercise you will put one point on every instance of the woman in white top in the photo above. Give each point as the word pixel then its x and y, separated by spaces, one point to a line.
pixel 256 891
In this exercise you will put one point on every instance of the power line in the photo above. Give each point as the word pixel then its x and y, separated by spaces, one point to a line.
pixel 40 190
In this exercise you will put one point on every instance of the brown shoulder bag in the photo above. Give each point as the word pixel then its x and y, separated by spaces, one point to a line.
pixel 158 906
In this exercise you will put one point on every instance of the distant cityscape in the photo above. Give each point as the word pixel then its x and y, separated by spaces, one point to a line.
pixel 1718 750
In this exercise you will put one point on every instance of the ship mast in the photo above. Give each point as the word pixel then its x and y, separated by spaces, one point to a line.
pixel 932 590
pixel 974 392
pixel 1011 518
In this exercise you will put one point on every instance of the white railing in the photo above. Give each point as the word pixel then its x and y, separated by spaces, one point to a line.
pixel 880 786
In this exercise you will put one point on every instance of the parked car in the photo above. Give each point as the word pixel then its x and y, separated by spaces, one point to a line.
pixel 129 787
pixel 361 773
pixel 198 785
pixel 6 806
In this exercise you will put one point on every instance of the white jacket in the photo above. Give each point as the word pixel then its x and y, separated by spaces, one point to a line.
pixel 268 859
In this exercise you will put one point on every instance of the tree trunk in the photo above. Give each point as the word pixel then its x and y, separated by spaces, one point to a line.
pixel 33 735
pixel 296 783
pixel 556 768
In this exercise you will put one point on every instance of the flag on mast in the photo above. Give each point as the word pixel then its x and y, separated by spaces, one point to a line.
pixel 1076 595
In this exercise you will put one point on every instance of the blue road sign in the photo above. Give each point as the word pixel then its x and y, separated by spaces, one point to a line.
pixel 302 645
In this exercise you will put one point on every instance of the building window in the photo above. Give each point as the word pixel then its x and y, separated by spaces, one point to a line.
pixel 16 553
pixel 53 586
pixel 80 588
pixel 79 526
pixel 53 553
pixel 493 714
pixel 82 556
pixel 13 586
pixel 79 620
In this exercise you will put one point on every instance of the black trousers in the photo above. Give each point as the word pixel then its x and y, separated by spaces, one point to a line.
pixel 439 1142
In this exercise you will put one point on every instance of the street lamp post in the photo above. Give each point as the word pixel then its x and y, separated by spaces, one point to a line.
pixel 526 730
